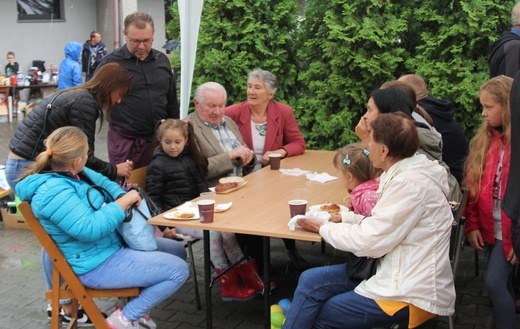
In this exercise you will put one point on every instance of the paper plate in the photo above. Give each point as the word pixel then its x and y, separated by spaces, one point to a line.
pixel 221 207
pixel 177 214
pixel 317 207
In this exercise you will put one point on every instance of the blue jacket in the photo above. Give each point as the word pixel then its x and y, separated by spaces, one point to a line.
pixel 86 237
pixel 70 68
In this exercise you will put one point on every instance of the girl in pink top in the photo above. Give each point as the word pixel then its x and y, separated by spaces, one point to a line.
pixel 356 173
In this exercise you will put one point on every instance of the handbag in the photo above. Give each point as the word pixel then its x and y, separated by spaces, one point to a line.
pixel 135 230
pixel 361 268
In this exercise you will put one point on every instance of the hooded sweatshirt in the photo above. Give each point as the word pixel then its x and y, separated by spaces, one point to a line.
pixel 504 56
pixel 454 144
pixel 70 67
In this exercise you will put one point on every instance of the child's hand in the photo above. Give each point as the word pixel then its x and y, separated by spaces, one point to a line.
pixel 511 257
pixel 348 202
pixel 170 233
pixel 475 239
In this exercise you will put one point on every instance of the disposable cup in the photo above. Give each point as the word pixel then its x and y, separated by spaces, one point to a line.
pixel 274 160
pixel 300 194
pixel 206 210
pixel 208 196
pixel 297 207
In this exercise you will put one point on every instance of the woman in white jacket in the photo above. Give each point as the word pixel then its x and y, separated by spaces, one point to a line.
pixel 408 231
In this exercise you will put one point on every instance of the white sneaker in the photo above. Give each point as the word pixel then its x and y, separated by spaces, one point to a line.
pixel 147 322
pixel 117 320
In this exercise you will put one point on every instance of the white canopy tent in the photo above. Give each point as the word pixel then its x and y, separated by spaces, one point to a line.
pixel 189 14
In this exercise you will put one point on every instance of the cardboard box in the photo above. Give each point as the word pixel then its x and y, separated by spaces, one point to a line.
pixel 14 220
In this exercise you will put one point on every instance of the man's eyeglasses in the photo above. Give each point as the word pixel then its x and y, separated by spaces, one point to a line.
pixel 135 42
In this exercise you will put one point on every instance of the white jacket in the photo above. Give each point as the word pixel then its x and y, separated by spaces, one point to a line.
pixel 410 226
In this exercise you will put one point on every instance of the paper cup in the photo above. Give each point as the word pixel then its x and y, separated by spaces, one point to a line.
pixel 297 207
pixel 274 160
pixel 206 210
pixel 208 196
pixel 300 194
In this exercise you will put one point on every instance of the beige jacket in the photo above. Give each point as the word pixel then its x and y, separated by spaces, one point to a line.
pixel 220 164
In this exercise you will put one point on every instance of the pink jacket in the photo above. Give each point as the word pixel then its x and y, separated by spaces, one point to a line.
pixel 363 198
pixel 282 128
pixel 479 212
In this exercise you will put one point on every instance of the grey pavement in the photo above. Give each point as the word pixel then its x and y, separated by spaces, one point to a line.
pixel 22 302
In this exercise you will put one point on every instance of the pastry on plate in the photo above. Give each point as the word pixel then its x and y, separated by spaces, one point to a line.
pixel 184 214
pixel 330 207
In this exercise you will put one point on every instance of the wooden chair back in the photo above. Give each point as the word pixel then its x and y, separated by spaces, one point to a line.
pixel 138 176
pixel 72 286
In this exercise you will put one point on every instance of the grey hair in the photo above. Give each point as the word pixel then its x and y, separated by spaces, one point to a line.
pixel 515 15
pixel 269 79
pixel 201 90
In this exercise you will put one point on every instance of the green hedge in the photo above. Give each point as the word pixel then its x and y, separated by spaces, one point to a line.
pixel 329 59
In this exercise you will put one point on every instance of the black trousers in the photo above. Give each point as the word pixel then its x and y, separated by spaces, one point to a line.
pixel 252 247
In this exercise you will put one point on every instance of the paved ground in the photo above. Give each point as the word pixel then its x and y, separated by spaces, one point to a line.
pixel 22 303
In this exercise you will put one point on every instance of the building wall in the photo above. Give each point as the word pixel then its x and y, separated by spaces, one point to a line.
pixel 46 40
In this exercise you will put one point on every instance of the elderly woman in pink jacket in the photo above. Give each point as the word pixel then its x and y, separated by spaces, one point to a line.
pixel 267 127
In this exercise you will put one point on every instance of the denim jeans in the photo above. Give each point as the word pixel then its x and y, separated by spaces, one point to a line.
pixel 14 168
pixel 158 274
pixel 499 285
pixel 165 245
pixel 325 298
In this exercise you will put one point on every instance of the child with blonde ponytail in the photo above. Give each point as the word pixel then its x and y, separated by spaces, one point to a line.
pixel 57 185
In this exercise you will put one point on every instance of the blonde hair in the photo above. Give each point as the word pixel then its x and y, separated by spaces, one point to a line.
pixel 354 159
pixel 64 145
pixel 499 88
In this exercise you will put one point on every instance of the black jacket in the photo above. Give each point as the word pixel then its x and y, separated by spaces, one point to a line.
pixel 511 200
pixel 504 56
pixel 454 144
pixel 152 96
pixel 90 60
pixel 69 108
pixel 172 181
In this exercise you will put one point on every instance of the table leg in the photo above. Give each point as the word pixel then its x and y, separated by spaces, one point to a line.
pixel 267 280
pixel 207 281
pixel 9 108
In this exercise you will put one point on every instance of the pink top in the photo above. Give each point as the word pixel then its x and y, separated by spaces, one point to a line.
pixel 363 198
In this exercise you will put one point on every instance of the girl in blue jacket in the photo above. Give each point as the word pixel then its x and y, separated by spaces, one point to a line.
pixel 56 185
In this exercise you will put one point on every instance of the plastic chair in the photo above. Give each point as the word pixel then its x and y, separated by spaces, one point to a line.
pixel 138 176
pixel 72 287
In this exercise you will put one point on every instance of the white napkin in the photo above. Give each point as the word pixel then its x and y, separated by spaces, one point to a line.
pixel 322 178
pixel 185 206
pixel 3 180
pixel 322 216
pixel 294 171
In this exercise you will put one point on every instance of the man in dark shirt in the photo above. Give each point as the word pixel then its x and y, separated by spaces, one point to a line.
pixel 504 56
pixel 152 96
pixel 454 143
